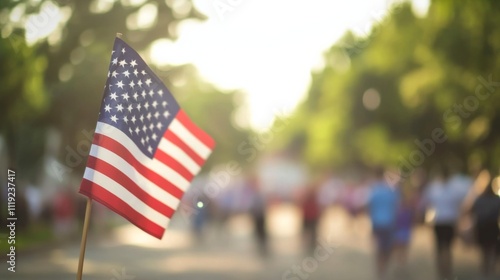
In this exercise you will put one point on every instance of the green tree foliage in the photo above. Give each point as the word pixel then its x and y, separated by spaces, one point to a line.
pixel 23 100
pixel 57 80
pixel 378 98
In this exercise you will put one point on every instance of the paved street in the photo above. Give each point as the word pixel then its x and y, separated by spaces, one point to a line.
pixel 228 252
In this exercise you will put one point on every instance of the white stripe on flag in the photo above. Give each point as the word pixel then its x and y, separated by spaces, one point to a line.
pixel 185 135
pixel 155 165
pixel 179 155
pixel 122 165
pixel 126 196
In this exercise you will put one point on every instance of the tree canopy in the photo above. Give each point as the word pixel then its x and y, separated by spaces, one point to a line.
pixel 381 99
pixel 55 79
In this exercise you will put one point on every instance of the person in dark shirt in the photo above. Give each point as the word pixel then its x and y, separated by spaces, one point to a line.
pixel 258 211
pixel 486 211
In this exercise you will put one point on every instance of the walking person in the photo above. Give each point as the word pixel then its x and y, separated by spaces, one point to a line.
pixel 445 199
pixel 486 212
pixel 383 204
pixel 311 212
pixel 258 212
pixel 405 220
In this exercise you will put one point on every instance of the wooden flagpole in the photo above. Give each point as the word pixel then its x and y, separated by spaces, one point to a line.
pixel 84 238
pixel 86 227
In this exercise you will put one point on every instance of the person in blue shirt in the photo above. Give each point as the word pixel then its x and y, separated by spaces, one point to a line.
pixel 383 204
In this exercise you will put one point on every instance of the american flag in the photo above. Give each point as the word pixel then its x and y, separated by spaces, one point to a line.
pixel 145 150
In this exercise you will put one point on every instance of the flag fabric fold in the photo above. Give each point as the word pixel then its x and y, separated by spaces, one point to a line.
pixel 145 150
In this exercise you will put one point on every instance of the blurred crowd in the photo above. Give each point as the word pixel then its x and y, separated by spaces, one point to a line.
pixel 458 206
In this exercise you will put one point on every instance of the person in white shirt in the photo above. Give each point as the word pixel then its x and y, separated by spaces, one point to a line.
pixel 444 197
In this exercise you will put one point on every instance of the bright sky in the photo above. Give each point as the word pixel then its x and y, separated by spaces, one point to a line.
pixel 267 48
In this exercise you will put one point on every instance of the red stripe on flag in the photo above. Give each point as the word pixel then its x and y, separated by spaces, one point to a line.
pixel 195 130
pixel 117 148
pixel 174 164
pixel 108 199
pixel 170 136
pixel 123 180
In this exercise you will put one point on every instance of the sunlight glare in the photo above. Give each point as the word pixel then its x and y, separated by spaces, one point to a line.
pixel 264 48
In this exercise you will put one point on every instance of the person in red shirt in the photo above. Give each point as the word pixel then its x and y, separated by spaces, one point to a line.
pixel 311 213
pixel 64 213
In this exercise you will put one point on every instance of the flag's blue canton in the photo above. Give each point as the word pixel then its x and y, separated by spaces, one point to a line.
pixel 135 100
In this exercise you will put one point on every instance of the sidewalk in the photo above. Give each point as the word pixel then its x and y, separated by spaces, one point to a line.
pixel 231 252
